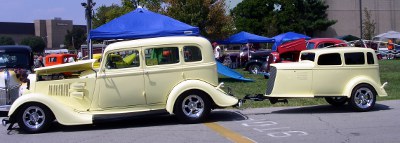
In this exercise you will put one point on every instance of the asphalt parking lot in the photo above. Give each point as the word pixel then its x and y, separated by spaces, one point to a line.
pixel 321 123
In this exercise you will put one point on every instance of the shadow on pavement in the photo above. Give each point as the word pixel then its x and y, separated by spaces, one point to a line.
pixel 327 109
pixel 148 121
pixel 3 113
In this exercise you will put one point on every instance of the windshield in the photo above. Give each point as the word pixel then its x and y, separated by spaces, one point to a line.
pixel 310 45
pixel 14 60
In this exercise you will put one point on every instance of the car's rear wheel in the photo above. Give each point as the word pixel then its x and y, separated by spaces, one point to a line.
pixel 192 107
pixel 363 97
pixel 34 118
pixel 254 69
pixel 336 101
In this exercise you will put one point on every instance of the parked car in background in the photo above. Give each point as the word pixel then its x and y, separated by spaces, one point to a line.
pixel 251 61
pixel 318 43
pixel 16 63
pixel 340 75
pixel 172 75
pixel 56 59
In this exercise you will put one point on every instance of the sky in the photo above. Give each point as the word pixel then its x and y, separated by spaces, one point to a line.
pixel 27 11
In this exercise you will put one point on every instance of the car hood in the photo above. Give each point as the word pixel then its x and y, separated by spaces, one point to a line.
pixel 302 65
pixel 67 67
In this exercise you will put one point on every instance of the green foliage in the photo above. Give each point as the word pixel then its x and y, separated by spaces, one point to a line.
pixel 272 17
pixel 209 15
pixel 36 43
pixel 256 16
pixel 75 38
pixel 105 14
pixel 368 25
pixel 5 40
pixel 389 71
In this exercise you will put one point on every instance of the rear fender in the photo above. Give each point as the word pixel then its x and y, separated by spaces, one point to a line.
pixel 363 80
pixel 219 97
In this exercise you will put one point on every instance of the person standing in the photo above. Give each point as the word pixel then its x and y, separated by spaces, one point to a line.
pixel 217 51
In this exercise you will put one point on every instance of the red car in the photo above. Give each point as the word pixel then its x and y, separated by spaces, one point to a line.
pixel 290 51
pixel 317 43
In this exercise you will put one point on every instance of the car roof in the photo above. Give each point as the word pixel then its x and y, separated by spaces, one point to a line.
pixel 317 40
pixel 61 55
pixel 15 48
pixel 340 49
pixel 160 41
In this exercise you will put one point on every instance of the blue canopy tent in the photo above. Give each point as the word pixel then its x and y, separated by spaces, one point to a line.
pixel 142 23
pixel 288 36
pixel 245 37
pixel 226 71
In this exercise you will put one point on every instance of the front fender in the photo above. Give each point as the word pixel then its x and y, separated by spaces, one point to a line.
pixel 219 97
pixel 64 114
pixel 364 79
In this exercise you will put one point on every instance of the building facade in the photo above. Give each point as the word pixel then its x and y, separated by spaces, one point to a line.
pixel 52 31
pixel 17 31
pixel 386 14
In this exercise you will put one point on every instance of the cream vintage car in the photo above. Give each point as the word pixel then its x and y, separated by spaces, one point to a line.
pixel 340 75
pixel 175 75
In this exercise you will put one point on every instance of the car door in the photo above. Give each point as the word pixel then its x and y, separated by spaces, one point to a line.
pixel 328 75
pixel 120 81
pixel 162 72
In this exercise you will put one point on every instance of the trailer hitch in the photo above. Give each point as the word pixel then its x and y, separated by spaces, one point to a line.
pixel 261 97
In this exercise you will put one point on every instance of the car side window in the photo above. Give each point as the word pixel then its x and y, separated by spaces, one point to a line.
pixel 330 59
pixel 321 45
pixel 307 56
pixel 356 58
pixel 192 54
pixel 161 56
pixel 123 59
pixel 370 58
pixel 329 45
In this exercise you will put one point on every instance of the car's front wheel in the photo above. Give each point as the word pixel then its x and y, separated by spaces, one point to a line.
pixel 34 118
pixel 254 69
pixel 336 101
pixel 192 107
pixel 363 97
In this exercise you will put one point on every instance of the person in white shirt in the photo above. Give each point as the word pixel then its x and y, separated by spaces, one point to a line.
pixel 217 51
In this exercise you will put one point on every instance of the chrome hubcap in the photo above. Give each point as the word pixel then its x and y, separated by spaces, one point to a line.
pixel 193 106
pixel 33 117
pixel 364 97
pixel 255 69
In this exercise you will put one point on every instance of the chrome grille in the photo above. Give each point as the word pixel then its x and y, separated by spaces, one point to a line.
pixel 271 80
pixel 13 92
pixel 59 89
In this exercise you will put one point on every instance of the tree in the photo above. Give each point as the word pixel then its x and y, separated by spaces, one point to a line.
pixel 256 16
pixel 5 40
pixel 271 17
pixel 209 15
pixel 368 25
pixel 75 38
pixel 105 14
pixel 36 43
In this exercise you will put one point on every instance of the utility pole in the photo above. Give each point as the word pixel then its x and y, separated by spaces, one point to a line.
pixel 361 32
pixel 88 13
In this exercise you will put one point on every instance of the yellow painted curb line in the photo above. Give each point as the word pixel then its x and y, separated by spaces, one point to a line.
pixel 231 135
